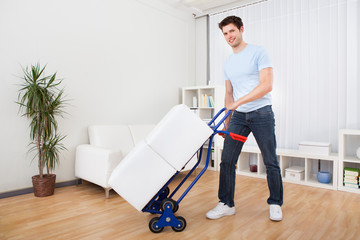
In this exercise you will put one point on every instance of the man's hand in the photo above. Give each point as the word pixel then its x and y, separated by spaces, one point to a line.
pixel 223 135
pixel 233 106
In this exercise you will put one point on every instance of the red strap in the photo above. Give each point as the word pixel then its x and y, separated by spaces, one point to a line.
pixel 238 137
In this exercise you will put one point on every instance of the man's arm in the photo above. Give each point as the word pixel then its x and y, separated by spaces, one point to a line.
pixel 229 99
pixel 264 87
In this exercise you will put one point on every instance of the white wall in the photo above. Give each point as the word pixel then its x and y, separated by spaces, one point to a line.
pixel 201 49
pixel 122 61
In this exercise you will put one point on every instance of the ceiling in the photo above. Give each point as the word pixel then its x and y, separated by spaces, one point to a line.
pixel 204 7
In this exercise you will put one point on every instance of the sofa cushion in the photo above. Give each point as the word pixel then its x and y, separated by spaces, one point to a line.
pixel 96 164
pixel 140 131
pixel 111 137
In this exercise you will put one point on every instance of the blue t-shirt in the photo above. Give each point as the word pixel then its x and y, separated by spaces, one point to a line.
pixel 242 69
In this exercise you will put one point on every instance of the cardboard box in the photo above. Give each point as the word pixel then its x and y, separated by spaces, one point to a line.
pixel 318 148
pixel 295 173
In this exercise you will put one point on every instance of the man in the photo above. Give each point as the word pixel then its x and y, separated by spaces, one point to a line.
pixel 248 82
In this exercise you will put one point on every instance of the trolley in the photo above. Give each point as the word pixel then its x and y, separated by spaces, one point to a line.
pixel 164 203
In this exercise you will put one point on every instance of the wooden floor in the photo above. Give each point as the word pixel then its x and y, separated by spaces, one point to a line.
pixel 82 212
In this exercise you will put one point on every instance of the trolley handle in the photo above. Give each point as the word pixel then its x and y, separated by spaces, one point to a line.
pixel 234 136
pixel 228 113
pixel 218 114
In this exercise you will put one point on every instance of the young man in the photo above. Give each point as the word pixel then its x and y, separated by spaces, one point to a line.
pixel 249 78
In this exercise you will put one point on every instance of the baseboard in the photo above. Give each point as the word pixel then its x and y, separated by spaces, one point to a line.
pixel 31 190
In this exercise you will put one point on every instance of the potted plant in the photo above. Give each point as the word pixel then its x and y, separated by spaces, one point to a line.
pixel 41 101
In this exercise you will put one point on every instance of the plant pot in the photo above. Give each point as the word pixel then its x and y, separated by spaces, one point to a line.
pixel 324 177
pixel 44 186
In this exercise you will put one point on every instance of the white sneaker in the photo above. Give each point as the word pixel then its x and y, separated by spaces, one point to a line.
pixel 275 212
pixel 220 210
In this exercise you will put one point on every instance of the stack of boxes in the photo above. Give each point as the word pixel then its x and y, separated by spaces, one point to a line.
pixel 351 177
pixel 164 152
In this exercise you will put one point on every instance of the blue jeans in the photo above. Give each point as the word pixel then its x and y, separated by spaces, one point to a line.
pixel 261 123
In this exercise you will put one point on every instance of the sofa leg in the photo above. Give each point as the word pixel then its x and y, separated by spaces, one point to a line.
pixel 78 181
pixel 107 192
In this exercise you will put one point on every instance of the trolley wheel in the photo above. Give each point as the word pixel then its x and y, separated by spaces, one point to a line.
pixel 152 225
pixel 182 224
pixel 173 203
pixel 153 207
pixel 166 191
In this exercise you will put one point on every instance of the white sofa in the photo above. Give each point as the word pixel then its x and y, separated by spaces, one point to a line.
pixel 109 144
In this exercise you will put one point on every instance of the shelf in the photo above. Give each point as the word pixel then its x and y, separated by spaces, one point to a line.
pixel 251 149
pixel 315 183
pixel 300 154
pixel 288 158
pixel 349 141
pixel 212 164
pixel 302 182
pixel 355 132
pixel 351 159
pixel 348 189
pixel 250 174
pixel 205 102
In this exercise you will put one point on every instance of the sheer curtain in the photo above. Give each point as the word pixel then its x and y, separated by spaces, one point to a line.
pixel 314 48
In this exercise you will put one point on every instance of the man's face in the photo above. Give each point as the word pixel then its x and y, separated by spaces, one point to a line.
pixel 233 35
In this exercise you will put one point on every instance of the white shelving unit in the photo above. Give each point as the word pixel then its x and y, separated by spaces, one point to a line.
pixel 349 141
pixel 287 158
pixel 205 101
pixel 197 99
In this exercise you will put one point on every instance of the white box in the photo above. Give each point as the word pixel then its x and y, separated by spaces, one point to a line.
pixel 140 175
pixel 178 136
pixel 295 173
pixel 318 148
pixel 166 150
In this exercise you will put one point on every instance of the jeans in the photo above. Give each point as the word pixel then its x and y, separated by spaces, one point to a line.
pixel 261 123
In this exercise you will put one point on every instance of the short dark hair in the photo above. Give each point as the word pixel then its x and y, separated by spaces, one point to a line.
pixel 231 19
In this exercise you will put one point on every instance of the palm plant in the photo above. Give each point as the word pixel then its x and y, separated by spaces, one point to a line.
pixel 41 101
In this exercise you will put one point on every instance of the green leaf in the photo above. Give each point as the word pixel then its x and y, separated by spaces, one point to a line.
pixel 42 102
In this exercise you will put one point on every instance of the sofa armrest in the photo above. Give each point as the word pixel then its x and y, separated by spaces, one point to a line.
pixel 96 164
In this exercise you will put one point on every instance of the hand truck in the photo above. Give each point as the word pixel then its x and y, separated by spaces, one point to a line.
pixel 163 202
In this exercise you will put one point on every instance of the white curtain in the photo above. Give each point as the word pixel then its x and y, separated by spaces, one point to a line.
pixel 314 47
